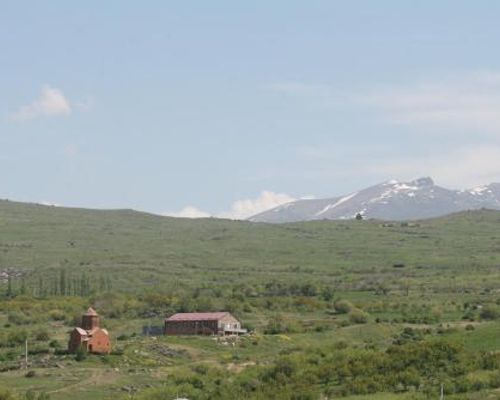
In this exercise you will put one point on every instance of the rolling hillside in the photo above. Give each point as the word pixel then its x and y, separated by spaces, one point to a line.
pixel 316 293
pixel 141 249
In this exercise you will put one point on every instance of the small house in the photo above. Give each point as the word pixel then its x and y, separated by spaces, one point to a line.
pixel 211 323
pixel 90 335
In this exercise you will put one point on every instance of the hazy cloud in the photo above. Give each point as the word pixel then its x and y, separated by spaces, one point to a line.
pixel 70 150
pixel 50 103
pixel 301 89
pixel 471 102
pixel 460 168
pixel 467 101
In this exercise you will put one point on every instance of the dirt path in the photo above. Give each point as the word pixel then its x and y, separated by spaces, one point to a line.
pixel 97 377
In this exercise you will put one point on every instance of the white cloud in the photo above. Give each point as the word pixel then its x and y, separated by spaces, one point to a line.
pixel 243 209
pixel 240 209
pixel 188 212
pixel 50 103
pixel 50 203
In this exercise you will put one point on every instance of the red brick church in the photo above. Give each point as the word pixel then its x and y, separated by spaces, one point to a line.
pixel 90 335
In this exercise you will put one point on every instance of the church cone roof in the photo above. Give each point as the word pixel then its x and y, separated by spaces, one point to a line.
pixel 91 312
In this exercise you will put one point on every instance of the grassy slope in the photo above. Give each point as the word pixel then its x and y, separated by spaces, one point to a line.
pixel 446 260
pixel 160 249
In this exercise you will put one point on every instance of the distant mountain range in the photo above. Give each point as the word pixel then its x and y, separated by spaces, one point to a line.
pixel 392 200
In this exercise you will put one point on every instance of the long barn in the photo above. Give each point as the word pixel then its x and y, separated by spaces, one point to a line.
pixel 214 323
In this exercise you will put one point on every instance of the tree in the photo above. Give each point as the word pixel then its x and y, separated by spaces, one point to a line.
pixel 40 290
pixel 327 293
pixel 62 282
pixel 9 286
pixel 359 217
pixel 81 353
pixel 23 285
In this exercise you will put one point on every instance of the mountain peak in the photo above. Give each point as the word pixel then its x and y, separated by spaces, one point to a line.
pixel 421 182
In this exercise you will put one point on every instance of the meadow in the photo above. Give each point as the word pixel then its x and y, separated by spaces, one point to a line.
pixel 337 309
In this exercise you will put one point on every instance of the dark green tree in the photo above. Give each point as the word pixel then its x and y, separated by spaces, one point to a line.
pixel 62 282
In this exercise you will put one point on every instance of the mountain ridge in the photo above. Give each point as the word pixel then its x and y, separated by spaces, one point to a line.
pixel 391 200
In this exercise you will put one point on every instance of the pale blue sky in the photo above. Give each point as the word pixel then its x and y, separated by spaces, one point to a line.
pixel 158 105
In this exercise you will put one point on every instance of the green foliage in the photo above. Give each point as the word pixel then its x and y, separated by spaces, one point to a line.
pixel 81 353
pixel 490 312
pixel 32 395
pixel 357 316
pixel 42 336
pixel 7 395
pixel 18 318
pixel 279 324
pixel 343 306
pixel 416 280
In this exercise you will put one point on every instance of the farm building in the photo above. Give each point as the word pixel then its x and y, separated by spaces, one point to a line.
pixel 90 335
pixel 215 323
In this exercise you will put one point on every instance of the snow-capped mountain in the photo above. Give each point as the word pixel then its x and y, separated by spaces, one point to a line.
pixel 392 200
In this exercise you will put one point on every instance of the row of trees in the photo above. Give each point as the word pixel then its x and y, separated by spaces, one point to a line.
pixel 63 283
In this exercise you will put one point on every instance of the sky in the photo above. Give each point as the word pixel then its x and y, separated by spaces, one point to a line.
pixel 224 108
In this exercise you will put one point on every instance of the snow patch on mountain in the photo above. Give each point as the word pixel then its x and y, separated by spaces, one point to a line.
pixel 336 204
pixel 480 190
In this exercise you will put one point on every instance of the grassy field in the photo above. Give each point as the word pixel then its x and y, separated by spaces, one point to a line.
pixel 420 281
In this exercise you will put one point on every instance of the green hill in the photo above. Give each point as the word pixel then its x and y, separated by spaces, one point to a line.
pixel 138 248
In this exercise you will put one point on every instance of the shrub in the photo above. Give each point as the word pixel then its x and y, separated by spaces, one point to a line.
pixel 343 306
pixel 31 395
pixel 42 336
pixel 16 337
pixel 490 312
pixel 357 316
pixel 30 374
pixel 57 315
pixel 279 324
pixel 18 318
pixel 6 395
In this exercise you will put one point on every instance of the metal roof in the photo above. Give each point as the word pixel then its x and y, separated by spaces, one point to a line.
pixel 81 331
pixel 209 316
